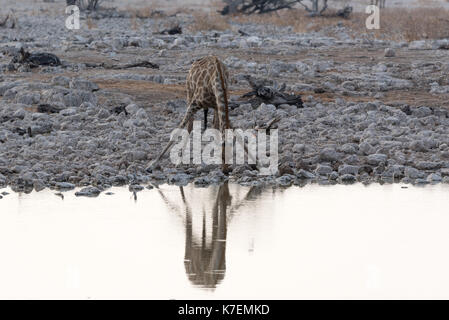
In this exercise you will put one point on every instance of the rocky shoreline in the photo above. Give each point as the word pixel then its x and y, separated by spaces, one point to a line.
pixel 374 111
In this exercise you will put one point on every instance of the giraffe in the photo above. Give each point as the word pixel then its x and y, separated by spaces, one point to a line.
pixel 380 3
pixel 205 258
pixel 207 87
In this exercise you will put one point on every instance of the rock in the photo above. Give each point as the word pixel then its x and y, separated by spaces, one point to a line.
pixel 38 185
pixel 19 114
pixel 406 180
pixel 389 52
pixel 266 108
pixel 2 180
pixel 421 181
pixel 422 112
pixel 347 178
pixel 201 182
pixel 413 173
pixel 394 171
pixel 428 165
pixel 349 85
pixel 88 192
pixel 441 44
pixel 418 145
pixel 366 148
pixel 285 169
pixel 333 176
pixel 349 148
pixel 444 172
pixel 76 97
pixel 433 177
pixel 420 45
pixel 299 148
pixel 329 154
pixel 348 169
pixel 323 170
pixel 135 188
pixel 132 108
pixel 376 159
pixel 119 180
pixel 61 81
pixel 180 179
pixel 285 180
pixel 303 174
pixel 68 112
pixel 64 186
pixel 253 41
pixel 85 85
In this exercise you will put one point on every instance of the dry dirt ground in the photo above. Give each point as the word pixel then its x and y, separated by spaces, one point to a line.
pixel 356 125
pixel 147 93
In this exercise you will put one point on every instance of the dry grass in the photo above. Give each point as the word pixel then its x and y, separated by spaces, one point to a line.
pixel 408 24
pixel 90 23
pixel 206 22
pixel 395 23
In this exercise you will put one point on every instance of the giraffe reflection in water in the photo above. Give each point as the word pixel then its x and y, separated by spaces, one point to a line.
pixel 205 257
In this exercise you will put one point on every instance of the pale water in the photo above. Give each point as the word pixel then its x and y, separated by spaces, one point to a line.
pixel 227 242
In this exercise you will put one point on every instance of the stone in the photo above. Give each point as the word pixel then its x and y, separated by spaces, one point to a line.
pixel 285 180
pixel 135 188
pixel 428 165
pixel 418 145
pixel 444 172
pixel 329 154
pixel 299 148
pixel 323 170
pixel 420 45
pixel 38 185
pixel 180 179
pixel 389 52
pixel 348 169
pixel 303 174
pixel 413 173
pixel 434 177
pixel 349 148
pixel 366 148
pixel 266 108
pixel 88 192
pixel 132 108
pixel 86 85
pixel 333 176
pixel 347 178
pixel 376 159
pixel 64 186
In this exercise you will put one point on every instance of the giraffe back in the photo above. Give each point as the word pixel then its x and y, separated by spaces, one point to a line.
pixel 207 86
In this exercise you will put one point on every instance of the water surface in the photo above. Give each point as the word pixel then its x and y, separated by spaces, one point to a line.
pixel 227 242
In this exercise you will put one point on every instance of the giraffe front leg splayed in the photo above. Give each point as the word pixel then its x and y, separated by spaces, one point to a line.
pixel 207 87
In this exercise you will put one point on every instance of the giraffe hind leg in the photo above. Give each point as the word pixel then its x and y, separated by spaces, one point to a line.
pixel 205 118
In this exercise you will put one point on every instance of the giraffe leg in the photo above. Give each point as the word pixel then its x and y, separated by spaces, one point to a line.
pixel 221 125
pixel 187 120
pixel 205 118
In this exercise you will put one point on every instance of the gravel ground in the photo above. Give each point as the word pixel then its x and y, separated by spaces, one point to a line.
pixel 374 111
